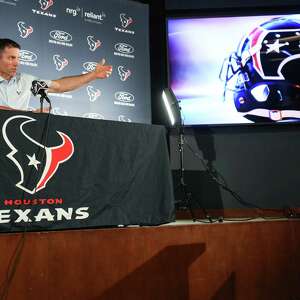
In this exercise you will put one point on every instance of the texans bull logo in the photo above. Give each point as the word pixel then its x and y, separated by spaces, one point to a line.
pixel 36 163
pixel 60 62
pixel 93 43
pixel 270 51
pixel 123 73
pixel 93 93
pixel 45 4
pixel 125 21
pixel 24 29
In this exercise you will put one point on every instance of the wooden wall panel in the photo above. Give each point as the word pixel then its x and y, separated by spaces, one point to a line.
pixel 234 261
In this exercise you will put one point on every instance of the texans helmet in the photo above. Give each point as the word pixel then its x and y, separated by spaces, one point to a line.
pixel 263 75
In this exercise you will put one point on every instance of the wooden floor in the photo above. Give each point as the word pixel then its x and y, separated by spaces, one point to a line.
pixel 244 261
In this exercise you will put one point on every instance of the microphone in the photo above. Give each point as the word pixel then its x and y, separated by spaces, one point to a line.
pixel 39 88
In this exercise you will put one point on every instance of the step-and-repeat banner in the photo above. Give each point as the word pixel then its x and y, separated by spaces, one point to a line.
pixel 64 38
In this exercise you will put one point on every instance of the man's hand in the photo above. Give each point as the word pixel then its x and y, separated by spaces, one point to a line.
pixel 71 83
pixel 102 70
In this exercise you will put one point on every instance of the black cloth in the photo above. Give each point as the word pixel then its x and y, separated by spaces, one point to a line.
pixel 118 173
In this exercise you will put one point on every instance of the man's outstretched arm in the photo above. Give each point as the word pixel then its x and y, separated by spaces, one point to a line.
pixel 71 83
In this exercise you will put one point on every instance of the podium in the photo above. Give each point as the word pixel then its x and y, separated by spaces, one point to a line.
pixel 68 172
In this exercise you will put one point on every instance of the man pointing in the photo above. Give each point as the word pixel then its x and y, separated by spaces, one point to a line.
pixel 15 87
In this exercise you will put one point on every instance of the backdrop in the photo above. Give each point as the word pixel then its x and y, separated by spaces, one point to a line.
pixel 62 38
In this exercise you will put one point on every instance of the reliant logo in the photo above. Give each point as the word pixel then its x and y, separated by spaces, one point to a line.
pixel 124 98
pixel 60 37
pixel 60 62
pixel 44 5
pixel 93 43
pixel 24 29
pixel 92 17
pixel 124 50
pixel 89 66
pixel 88 16
pixel 28 58
pixel 93 116
pixel 125 23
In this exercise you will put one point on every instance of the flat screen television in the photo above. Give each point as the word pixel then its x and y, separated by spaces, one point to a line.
pixel 235 69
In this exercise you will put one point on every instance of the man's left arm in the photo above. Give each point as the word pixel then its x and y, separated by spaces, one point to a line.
pixel 71 83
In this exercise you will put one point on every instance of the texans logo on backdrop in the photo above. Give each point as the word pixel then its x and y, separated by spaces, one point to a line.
pixel 45 4
pixel 123 73
pixel 270 50
pixel 93 43
pixel 125 21
pixel 60 62
pixel 24 29
pixel 93 93
pixel 36 163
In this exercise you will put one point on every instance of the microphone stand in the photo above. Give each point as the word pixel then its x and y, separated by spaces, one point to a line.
pixel 41 102
pixel 43 96
pixel 186 203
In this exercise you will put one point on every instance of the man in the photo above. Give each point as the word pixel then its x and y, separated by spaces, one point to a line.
pixel 15 87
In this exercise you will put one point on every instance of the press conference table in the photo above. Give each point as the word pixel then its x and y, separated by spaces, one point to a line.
pixel 62 172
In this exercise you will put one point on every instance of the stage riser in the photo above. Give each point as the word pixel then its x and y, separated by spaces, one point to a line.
pixel 236 261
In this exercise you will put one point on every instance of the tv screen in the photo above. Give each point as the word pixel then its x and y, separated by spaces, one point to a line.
pixel 236 69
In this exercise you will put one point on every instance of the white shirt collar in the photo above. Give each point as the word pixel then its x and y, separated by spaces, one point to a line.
pixel 13 79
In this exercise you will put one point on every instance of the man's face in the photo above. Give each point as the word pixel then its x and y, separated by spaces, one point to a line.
pixel 9 62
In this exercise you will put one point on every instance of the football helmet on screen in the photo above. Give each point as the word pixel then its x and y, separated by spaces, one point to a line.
pixel 263 74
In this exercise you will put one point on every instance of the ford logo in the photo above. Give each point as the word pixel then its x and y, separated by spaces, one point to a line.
pixel 60 35
pixel 26 55
pixel 124 97
pixel 124 48
pixel 89 66
pixel 93 116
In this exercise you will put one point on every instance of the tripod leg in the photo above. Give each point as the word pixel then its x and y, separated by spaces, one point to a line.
pixel 188 200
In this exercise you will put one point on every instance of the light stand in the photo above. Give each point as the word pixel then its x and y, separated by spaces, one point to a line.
pixel 174 112
pixel 187 195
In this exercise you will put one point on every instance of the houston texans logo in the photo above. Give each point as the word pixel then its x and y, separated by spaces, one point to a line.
pixel 270 51
pixel 93 93
pixel 54 156
pixel 123 73
pixel 60 62
pixel 93 43
pixel 125 21
pixel 45 4
pixel 24 30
